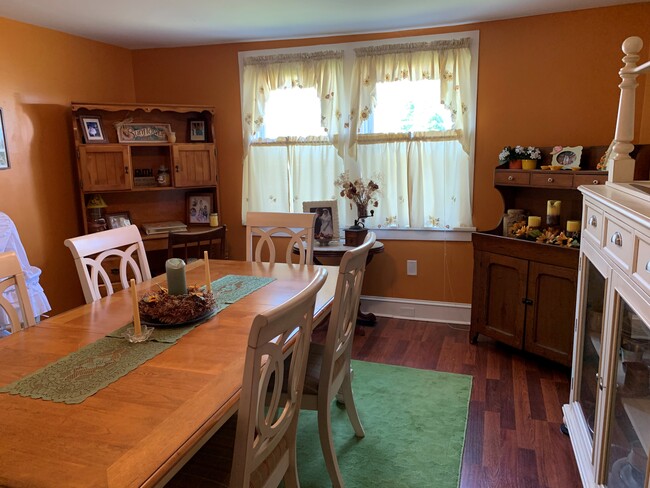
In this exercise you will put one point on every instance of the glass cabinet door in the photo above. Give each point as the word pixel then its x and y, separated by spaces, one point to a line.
pixel 594 301
pixel 628 436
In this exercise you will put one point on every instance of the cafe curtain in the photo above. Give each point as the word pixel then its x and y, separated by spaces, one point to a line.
pixel 426 176
pixel 268 177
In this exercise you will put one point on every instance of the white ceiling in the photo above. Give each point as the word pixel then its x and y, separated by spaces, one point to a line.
pixel 166 23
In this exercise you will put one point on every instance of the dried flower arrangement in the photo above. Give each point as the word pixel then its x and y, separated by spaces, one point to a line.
pixel 362 194
pixel 161 307
pixel 520 230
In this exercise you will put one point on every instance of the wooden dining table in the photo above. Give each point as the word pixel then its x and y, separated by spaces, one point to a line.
pixel 140 429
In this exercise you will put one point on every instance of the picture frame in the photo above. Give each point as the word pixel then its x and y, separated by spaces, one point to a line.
pixel 143 133
pixel 197 130
pixel 327 215
pixel 199 207
pixel 118 219
pixel 4 154
pixel 568 157
pixel 92 129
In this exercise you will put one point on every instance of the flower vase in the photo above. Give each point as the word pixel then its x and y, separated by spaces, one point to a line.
pixel 362 211
pixel 514 164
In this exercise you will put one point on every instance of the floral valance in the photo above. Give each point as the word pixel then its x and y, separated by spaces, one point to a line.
pixel 447 61
pixel 321 70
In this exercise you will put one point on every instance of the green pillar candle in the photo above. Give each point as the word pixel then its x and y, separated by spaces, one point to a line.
pixel 175 269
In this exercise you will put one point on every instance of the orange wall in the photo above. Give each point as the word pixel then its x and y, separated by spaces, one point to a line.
pixel 42 72
pixel 543 81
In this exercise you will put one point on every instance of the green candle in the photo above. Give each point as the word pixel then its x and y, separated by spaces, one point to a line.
pixel 175 269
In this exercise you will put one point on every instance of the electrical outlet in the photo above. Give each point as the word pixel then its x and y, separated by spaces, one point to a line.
pixel 411 267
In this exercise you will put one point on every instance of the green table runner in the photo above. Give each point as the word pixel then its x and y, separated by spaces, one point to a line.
pixel 83 373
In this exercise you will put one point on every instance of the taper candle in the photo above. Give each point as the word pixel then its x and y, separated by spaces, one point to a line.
pixel 534 221
pixel 175 269
pixel 573 226
pixel 137 327
pixel 208 280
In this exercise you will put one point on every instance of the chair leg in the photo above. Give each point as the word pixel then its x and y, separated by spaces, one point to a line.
pixel 350 407
pixel 291 476
pixel 327 443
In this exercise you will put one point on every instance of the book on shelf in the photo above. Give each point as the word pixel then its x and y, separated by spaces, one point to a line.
pixel 164 227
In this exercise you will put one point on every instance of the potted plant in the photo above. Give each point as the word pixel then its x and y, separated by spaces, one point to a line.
pixel 515 156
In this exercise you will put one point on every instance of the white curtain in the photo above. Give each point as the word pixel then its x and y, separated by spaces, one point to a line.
pixel 267 168
pixel 426 177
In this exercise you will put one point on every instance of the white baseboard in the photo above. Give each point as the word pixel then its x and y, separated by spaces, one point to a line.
pixel 425 310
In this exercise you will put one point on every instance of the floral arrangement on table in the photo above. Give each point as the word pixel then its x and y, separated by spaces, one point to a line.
pixel 362 194
pixel 161 307
pixel 520 230
pixel 510 153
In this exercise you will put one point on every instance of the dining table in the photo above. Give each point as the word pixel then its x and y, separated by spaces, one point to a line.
pixel 140 429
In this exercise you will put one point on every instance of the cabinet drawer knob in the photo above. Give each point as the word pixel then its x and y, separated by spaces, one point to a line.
pixel 647 266
pixel 595 182
pixel 178 169
pixel 593 221
pixel 126 170
pixel 550 180
pixel 617 239
pixel 510 178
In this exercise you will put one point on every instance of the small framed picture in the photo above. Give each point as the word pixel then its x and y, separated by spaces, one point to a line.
pixel 327 219
pixel 567 157
pixel 197 130
pixel 117 220
pixel 92 128
pixel 199 208
pixel 4 155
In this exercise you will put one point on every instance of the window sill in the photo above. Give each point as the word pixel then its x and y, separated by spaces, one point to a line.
pixel 463 234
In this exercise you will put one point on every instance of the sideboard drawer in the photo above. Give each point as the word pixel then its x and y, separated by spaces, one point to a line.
pixel 511 178
pixel 618 242
pixel 593 224
pixel 552 180
pixel 641 270
pixel 579 179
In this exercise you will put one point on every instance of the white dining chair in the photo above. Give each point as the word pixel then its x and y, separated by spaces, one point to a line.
pixel 94 253
pixel 11 275
pixel 299 227
pixel 328 366
pixel 263 447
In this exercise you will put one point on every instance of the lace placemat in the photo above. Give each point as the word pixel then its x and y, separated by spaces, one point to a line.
pixel 84 372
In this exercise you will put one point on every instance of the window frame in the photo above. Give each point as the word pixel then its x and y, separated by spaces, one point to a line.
pixel 457 234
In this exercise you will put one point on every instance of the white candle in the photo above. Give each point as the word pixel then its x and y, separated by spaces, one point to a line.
pixel 534 221
pixel 137 328
pixel 175 269
pixel 208 280
pixel 573 226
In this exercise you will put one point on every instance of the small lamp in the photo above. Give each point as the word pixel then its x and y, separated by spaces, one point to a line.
pixel 96 221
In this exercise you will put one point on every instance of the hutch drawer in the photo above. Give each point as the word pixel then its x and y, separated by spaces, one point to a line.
pixel 641 270
pixel 593 224
pixel 551 180
pixel 619 242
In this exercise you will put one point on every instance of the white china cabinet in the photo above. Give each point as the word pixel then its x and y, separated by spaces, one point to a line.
pixel 608 414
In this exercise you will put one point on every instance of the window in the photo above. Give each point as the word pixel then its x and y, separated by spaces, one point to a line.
pixel 407 119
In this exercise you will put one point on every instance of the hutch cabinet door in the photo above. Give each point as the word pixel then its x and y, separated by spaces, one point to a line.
pixel 194 165
pixel 550 318
pixel 104 167
pixel 498 308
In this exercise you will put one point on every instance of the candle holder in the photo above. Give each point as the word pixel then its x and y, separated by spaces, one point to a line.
pixel 144 335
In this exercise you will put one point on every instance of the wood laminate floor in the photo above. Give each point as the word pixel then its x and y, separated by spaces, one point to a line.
pixel 513 434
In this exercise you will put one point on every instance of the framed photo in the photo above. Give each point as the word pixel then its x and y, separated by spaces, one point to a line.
pixel 92 128
pixel 117 220
pixel 327 219
pixel 197 130
pixel 4 155
pixel 567 157
pixel 152 133
pixel 199 208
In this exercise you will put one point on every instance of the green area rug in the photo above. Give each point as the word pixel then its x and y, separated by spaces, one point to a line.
pixel 415 431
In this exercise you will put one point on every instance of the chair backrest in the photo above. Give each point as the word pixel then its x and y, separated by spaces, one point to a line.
pixel 11 274
pixel 266 426
pixel 299 227
pixel 188 245
pixel 343 319
pixel 91 250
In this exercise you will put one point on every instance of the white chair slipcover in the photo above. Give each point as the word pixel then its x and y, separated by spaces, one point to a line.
pixel 10 241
